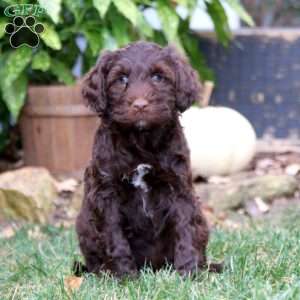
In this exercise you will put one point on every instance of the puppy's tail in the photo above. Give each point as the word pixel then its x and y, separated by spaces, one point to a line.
pixel 78 268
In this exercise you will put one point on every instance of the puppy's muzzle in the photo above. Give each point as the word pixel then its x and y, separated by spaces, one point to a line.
pixel 140 104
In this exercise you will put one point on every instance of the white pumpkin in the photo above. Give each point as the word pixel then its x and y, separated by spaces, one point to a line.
pixel 221 140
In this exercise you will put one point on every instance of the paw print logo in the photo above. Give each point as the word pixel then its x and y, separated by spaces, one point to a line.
pixel 24 31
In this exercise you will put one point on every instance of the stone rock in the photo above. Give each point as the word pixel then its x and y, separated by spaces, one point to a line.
pixel 27 194
pixel 293 169
pixel 236 193
pixel 256 207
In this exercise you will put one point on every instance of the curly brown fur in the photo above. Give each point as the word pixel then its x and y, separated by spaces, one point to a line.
pixel 139 208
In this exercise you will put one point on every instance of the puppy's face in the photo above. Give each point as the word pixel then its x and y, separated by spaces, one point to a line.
pixel 141 86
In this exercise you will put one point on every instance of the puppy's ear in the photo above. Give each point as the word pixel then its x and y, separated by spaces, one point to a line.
pixel 94 84
pixel 188 86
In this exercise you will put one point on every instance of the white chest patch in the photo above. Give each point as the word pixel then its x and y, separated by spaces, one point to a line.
pixel 138 176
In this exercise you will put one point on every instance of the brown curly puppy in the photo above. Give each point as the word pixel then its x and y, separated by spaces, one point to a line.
pixel 139 208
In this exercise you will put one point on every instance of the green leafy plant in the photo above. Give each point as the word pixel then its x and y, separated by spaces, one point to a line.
pixel 103 24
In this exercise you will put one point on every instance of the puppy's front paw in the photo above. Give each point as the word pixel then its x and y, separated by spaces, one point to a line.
pixel 125 268
pixel 188 269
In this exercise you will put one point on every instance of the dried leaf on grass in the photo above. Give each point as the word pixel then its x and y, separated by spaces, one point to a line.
pixel 7 232
pixel 72 284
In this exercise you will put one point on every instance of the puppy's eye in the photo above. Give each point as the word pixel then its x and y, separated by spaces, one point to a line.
pixel 157 77
pixel 123 79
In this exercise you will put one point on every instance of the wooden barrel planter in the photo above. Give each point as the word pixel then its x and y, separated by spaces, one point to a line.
pixel 259 75
pixel 57 129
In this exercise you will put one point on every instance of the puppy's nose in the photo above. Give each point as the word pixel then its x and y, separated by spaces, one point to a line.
pixel 140 103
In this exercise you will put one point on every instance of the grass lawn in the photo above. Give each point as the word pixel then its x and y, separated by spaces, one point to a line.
pixel 262 262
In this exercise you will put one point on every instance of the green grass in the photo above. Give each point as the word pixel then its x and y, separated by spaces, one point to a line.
pixel 262 262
